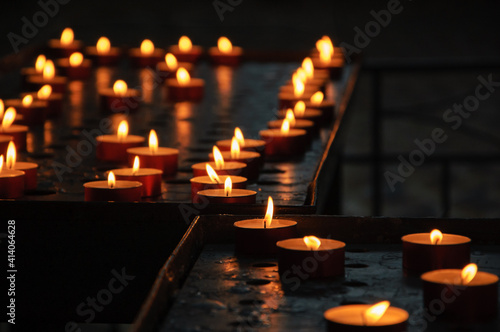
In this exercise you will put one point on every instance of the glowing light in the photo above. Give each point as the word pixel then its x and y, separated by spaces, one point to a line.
pixel 317 98
pixel 219 160
pixel 301 74
pixel 135 167
pixel 44 92
pixel 299 109
pixel 103 46
pixel 1 163
pixel 171 61
pixel 27 101
pixel 235 148
pixel 228 186
pixel 185 44
pixel 436 236
pixel 111 180
pixel 67 37
pixel 308 67
pixel 40 63
pixel 9 117
pixel 10 161
pixel 325 49
pixel 285 127
pixel 312 242
pixel 268 218
pixel 224 45
pixel 183 77
pixel 212 174
pixel 468 273
pixel 298 86
pixel 290 117
pixel 120 88
pixel 153 142
pixel 75 59
pixel 2 108
pixel 49 71
pixel 239 136
pixel 375 312
pixel 147 47
pixel 122 130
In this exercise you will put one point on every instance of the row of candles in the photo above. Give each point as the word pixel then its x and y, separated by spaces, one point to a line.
pixel 441 260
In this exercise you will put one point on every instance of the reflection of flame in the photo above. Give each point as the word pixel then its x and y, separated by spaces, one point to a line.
pixel 235 148
pixel 290 117
pixel 40 63
pixel 224 45
pixel 44 92
pixel 183 77
pixel 111 180
pixel 9 117
pixel 299 109
pixel 212 174
pixel 468 273
pixel 147 47
pixel 228 186
pixel 375 312
pixel 153 141
pixel 67 37
pixel 238 134
pixel 317 98
pixel 171 61
pixel 268 218
pixel 103 46
pixel 436 236
pixel 10 162
pixel 219 160
pixel 27 101
pixel 49 71
pixel 122 130
pixel 135 168
pixel 308 67
pixel 285 127
pixel 312 242
pixel 75 59
pixel 185 44
pixel 120 88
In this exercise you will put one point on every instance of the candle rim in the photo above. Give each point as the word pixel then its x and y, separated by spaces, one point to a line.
pixel 131 184
pixel 294 132
pixel 149 171
pixel 234 165
pixel 340 317
pixel 234 191
pixel 324 242
pixel 227 155
pixel 11 173
pixel 22 165
pixel 112 138
pixel 426 239
pixel 249 143
pixel 234 178
pixel 277 223
pixel 455 279
pixel 145 151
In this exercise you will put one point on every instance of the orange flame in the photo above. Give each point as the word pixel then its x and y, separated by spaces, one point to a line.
pixel 212 174
pixel 11 156
pixel 185 44
pixel 308 67
pixel 268 218
pixel 120 88
pixel 153 142
pixel 103 46
pixel 111 180
pixel 147 47
pixel 301 74
pixel 238 134
pixel 183 76
pixel 2 108
pixel 135 167
pixel 9 117
pixel 40 63
pixel 224 45
pixel 27 101
pixel 44 92
pixel 468 273
pixel 285 127
pixel 75 59
pixel 228 186
pixel 49 71
pixel 67 37
pixel 122 130
pixel 171 61
pixel 299 109
pixel 325 49
pixel 235 148
pixel 375 312
pixel 436 236
pixel 290 117
pixel 312 242
pixel 1 163
pixel 219 160
pixel 298 86
pixel 317 98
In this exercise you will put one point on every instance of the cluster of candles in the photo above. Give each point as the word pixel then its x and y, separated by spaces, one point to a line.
pixel 443 260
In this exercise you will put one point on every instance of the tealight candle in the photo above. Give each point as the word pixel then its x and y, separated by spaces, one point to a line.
pixel 251 158
pixel 113 190
pixel 54 100
pixel 213 181
pixel 18 132
pixel 146 55
pixel 114 147
pixel 431 251
pixel 183 87
pixel 58 83
pixel 314 257
pixel 307 125
pixel 301 112
pixel 380 317
pixel 319 75
pixel 103 54
pixel 462 294
pixel 259 236
pixel 225 53
pixel 221 166
pixel 120 99
pixel 327 107
pixel 149 177
pixel 284 142
pixel 33 112
pixel 168 68
pixel 75 67
pixel 63 47
pixel 153 156
pixel 36 70
pixel 185 51
pixel 327 58
pixel 311 84
pixel 289 98
pixel 246 144
pixel 11 182
pixel 29 169
pixel 227 195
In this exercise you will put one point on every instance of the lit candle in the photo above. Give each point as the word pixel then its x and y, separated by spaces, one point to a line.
pixel 213 181
pixel 149 177
pixel 327 107
pixel 29 169
pixel 54 100
pixel 36 70
pixel 33 112
pixel 146 55
pixel 315 257
pixel 431 251
pixel 310 85
pixel 462 294
pixel 168 68
pixel 246 144
pixel 251 158
pixel 63 47
pixel 103 53
pixel 183 87
pixel 328 57
pixel 75 67
pixel 380 317
pixel 284 142
pixel 320 76
pixel 58 83
pixel 185 51
pixel 225 53
pixel 113 190
pixel 301 112
pixel 154 156
pixel 119 98
pixel 227 195
pixel 11 182
pixel 307 125
pixel 289 97
pixel 114 147
pixel 18 132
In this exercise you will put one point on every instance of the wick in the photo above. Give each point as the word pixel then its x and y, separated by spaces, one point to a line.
pixel 265 223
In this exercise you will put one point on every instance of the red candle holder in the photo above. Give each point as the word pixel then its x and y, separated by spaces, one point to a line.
pixel 112 148
pixel 103 54
pixel 164 158
pixel 168 68
pixel 335 66
pixel 30 174
pixel 54 102
pixel 289 99
pixel 150 178
pixel 229 168
pixel 312 115
pixel 120 99
pixel 327 107
pixel 306 125
pixel 60 50
pixel 185 51
pixel 58 83
pixel 218 196
pixel 18 134
pixel 75 67
pixel 4 143
pixel 283 145
pixel 184 87
pixel 200 183
pixel 34 113
pixel 11 184
pixel 36 70
pixel 123 191
pixel 251 158
pixel 249 144
pixel 225 53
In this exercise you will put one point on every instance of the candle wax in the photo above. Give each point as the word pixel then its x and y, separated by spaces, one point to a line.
pixel 164 158
pixel 218 196
pixel 123 191
pixel 348 317
pixel 149 177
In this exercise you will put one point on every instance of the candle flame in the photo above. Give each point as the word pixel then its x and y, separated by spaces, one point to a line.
pixel 317 98
pixel 49 71
pixel 299 109
pixel 147 47
pixel 212 174
pixel 375 312
pixel 436 236
pixel 75 59
pixel 10 160
pixel 1 163
pixel 298 86
pixel 122 130
pixel 239 136
pixel 40 63
pixel 301 74
pixel 153 141
pixel 235 148
pixel 135 167
pixel 9 117
pixel 27 101
pixel 171 61
pixel 290 117
pixel 185 44
pixel 219 160
pixel 103 46
pixel 312 242
pixel 183 76
pixel 44 92
pixel 285 127
pixel 228 186
pixel 111 180
pixel 325 49
pixel 268 218
pixel 67 37
pixel 224 45
pixel 2 108
pixel 120 88
pixel 308 67
pixel 468 273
